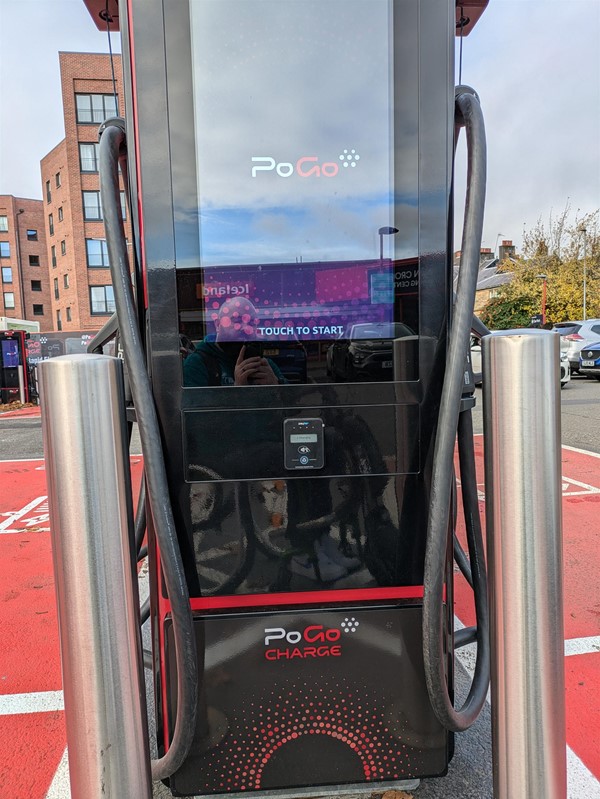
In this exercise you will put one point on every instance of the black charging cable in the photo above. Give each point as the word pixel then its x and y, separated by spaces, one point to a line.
pixel 112 153
pixel 450 422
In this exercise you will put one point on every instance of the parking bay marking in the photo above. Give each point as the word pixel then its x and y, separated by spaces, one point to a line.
pixel 570 488
pixel 28 523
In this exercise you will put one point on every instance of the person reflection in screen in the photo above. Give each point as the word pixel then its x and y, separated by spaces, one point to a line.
pixel 228 358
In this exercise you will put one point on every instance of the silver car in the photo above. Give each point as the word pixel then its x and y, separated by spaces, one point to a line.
pixel 578 334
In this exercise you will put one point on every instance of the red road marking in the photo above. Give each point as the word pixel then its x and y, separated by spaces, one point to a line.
pixel 582 681
pixel 581 538
pixel 21 413
pixel 29 658
pixel 32 746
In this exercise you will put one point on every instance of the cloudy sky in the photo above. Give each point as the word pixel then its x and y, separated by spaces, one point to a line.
pixel 534 63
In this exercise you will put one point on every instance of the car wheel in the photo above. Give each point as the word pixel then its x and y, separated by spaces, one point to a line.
pixel 597 377
pixel 563 385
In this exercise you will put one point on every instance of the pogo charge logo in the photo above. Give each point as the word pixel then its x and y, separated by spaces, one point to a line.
pixel 308 166
pixel 315 641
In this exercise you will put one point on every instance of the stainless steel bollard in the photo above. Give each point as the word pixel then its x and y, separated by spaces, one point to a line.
pixel 524 534
pixel 87 469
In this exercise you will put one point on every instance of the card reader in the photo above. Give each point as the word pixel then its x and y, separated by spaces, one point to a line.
pixel 304 443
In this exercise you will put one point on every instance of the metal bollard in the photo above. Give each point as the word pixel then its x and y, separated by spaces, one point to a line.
pixel 87 469
pixel 524 534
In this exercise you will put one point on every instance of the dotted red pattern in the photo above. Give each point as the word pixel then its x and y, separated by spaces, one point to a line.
pixel 258 734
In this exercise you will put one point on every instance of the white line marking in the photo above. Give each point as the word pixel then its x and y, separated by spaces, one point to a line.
pixel 583 451
pixel 581 782
pixel 13 517
pixel 583 646
pixel 589 489
pixel 564 446
pixel 60 787
pixel 41 702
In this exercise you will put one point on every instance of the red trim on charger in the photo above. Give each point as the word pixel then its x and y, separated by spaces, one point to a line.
pixel 306 597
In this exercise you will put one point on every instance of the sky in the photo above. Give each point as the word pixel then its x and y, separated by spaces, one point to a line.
pixel 534 63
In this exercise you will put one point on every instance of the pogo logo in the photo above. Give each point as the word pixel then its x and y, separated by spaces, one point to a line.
pixel 315 641
pixel 308 166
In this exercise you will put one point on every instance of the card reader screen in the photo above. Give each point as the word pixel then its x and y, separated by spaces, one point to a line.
pixel 303 438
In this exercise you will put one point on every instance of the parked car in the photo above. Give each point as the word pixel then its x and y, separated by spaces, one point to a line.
pixel 589 360
pixel 476 359
pixel 565 366
pixel 566 328
pixel 580 334
pixel 365 352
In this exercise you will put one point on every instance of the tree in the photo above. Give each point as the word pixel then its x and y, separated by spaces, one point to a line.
pixel 560 251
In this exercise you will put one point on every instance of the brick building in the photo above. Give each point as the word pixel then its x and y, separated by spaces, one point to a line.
pixel 80 284
pixel 23 261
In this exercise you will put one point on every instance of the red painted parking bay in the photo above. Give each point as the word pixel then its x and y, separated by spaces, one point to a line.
pixel 581 556
pixel 32 720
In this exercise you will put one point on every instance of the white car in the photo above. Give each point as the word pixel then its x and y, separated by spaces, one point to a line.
pixel 565 366
pixel 476 359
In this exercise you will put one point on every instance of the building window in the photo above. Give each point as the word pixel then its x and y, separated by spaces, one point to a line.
pixel 63 247
pixel 32 235
pixel 88 157
pixel 97 253
pixel 38 310
pixel 102 299
pixel 95 108
pixel 51 224
pixel 9 300
pixel 7 274
pixel 58 321
pixel 92 209
pixel 68 314
pixel 53 255
pixel 4 249
pixel 36 285
pixel 3 224
pixel 66 281
pixel 60 214
pixel 57 179
pixel 34 260
pixel 56 293
pixel 48 192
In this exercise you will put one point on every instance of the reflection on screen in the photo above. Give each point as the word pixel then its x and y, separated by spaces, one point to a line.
pixel 10 353
pixel 306 163
pixel 308 324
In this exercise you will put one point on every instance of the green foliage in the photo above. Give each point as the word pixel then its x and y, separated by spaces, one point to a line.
pixel 502 313
pixel 561 251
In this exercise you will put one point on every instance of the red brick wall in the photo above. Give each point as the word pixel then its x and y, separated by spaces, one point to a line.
pixel 24 214
pixel 86 73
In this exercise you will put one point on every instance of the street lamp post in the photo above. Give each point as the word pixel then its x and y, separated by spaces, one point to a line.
pixel 544 280
pixel 385 231
pixel 584 231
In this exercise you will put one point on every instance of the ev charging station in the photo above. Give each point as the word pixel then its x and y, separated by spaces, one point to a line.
pixel 296 357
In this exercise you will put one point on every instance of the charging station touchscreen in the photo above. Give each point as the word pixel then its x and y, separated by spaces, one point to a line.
pixel 306 168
